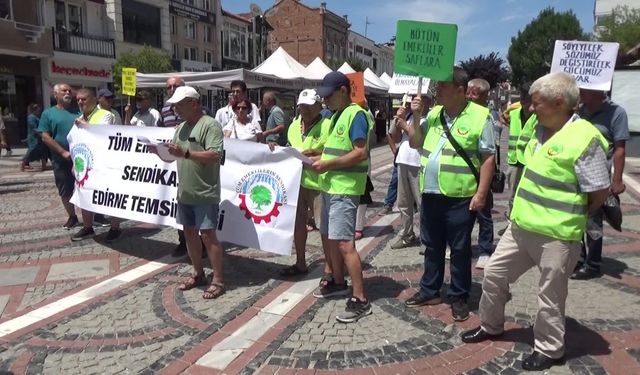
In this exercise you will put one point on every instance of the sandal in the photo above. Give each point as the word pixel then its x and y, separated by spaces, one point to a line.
pixel 326 279
pixel 193 282
pixel 214 291
pixel 293 270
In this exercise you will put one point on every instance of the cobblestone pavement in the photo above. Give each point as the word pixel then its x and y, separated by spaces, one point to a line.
pixel 92 308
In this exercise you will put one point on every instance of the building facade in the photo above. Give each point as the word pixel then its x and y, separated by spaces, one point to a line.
pixel 195 37
pixel 306 32
pixel 26 41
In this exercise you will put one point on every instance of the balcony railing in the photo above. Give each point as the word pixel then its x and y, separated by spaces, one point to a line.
pixel 83 44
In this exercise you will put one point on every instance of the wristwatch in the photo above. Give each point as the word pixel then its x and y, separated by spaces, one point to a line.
pixel 187 154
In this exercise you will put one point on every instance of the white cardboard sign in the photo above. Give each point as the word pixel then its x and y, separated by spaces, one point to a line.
pixel 591 63
pixel 405 84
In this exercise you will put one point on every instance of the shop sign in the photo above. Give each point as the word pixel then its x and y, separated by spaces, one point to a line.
pixel 194 66
pixel 189 11
pixel 82 71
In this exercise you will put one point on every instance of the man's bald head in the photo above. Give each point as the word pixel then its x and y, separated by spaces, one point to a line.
pixel 172 83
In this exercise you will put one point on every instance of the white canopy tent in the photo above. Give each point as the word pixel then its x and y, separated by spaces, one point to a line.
pixel 317 69
pixel 372 81
pixel 386 78
pixel 282 65
pixel 216 80
pixel 346 68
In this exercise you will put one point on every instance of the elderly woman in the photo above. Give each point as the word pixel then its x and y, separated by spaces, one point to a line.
pixel 565 177
pixel 240 126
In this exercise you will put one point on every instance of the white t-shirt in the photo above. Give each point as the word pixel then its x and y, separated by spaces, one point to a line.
pixel 226 114
pixel 406 154
pixel 150 118
pixel 243 132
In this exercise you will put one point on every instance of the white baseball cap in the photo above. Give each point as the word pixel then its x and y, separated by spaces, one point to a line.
pixel 308 96
pixel 183 92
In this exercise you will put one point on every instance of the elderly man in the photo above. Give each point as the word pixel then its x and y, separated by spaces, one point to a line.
pixel 55 123
pixel 198 145
pixel 238 94
pixel 171 119
pixel 93 115
pixel 105 101
pixel 408 171
pixel 565 177
pixel 145 115
pixel 276 127
pixel 452 188
pixel 478 92
pixel 307 134
pixel 611 120
pixel 343 166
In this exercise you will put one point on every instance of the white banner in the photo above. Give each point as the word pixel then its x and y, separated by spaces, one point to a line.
pixel 117 176
pixel 591 63
pixel 405 84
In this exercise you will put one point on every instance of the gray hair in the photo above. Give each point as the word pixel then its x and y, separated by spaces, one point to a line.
pixel 57 86
pixel 554 85
pixel 480 83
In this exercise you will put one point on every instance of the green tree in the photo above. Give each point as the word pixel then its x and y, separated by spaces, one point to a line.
pixel 490 67
pixel 146 60
pixel 623 26
pixel 260 195
pixel 531 50
pixel 357 64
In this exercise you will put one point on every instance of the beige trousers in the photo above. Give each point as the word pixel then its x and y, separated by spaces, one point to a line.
pixel 408 194
pixel 518 251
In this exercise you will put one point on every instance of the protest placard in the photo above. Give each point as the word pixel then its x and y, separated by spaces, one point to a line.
pixel 425 49
pixel 591 63
pixel 117 175
pixel 129 81
pixel 404 84
pixel 357 87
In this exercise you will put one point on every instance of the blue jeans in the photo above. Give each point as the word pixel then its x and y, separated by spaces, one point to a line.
pixel 392 190
pixel 485 234
pixel 445 220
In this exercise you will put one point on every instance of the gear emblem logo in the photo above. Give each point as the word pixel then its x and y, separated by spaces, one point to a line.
pixel 261 194
pixel 82 158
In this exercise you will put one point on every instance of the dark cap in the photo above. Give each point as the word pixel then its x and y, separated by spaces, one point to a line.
pixel 331 82
pixel 106 93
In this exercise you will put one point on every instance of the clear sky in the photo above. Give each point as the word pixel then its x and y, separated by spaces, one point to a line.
pixel 484 26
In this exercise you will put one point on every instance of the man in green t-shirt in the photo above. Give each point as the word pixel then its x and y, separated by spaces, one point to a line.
pixel 55 124
pixel 197 143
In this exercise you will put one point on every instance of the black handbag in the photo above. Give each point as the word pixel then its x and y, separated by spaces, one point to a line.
pixel 499 178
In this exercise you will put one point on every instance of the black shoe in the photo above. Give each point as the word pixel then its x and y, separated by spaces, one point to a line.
pixel 476 335
pixel 100 221
pixel 113 235
pixel 72 221
pixel 586 273
pixel 332 289
pixel 422 251
pixel 401 243
pixel 460 310
pixel 385 210
pixel 538 362
pixel 418 300
pixel 355 310
pixel 179 251
pixel 501 231
pixel 83 234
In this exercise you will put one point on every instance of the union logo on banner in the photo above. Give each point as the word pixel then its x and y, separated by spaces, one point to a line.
pixel 82 158
pixel 262 193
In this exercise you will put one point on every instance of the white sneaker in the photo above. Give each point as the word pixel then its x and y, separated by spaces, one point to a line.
pixel 482 261
pixel 447 254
